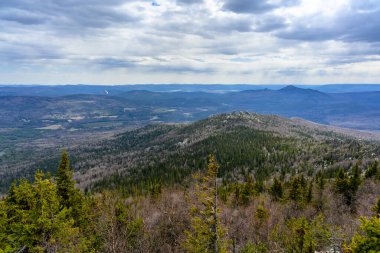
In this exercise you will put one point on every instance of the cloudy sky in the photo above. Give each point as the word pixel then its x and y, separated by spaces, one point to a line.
pixel 189 41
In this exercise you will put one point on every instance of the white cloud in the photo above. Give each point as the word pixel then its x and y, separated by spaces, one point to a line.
pixel 189 41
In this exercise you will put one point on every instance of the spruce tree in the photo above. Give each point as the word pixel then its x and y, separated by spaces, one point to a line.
pixel 276 190
pixel 36 222
pixel 348 185
pixel 206 234
pixel 65 182
pixel 70 197
pixel 368 240
pixel 295 192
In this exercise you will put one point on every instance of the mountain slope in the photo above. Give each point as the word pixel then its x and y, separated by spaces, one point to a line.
pixel 244 143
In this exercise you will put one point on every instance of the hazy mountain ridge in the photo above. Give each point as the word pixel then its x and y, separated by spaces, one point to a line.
pixel 354 110
pixel 61 90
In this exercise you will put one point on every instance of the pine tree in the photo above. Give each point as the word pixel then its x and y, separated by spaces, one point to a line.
pixel 206 234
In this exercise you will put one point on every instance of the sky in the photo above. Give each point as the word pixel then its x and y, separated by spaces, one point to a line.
pixel 189 41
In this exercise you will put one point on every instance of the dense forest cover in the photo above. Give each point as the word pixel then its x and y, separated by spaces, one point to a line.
pixel 269 185
pixel 302 213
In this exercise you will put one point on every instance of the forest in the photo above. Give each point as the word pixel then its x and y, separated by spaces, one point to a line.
pixel 299 213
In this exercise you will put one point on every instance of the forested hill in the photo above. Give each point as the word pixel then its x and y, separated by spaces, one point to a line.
pixel 245 144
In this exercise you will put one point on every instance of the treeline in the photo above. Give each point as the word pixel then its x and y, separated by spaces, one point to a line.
pixel 280 213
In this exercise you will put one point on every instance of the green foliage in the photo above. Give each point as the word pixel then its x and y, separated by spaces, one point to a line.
pixel 206 234
pixel 243 192
pixel 238 148
pixel 309 194
pixel 376 208
pixel 254 248
pixel 303 236
pixel 48 215
pixel 299 192
pixel 36 221
pixel 368 238
pixel 65 183
pixel 319 200
pixel 347 186
pixel 261 214
pixel 373 170
pixel 5 245
pixel 276 190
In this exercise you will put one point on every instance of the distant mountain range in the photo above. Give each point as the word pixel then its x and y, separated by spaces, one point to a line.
pixel 357 110
pixel 61 90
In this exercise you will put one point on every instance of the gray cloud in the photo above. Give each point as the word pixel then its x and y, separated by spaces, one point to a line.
pixel 360 23
pixel 248 6
pixel 156 66
pixel 291 71
pixel 69 14
pixel 180 69
pixel 27 52
pixel 270 23
pixel 181 2
pixel 234 38
pixel 114 63
pixel 256 6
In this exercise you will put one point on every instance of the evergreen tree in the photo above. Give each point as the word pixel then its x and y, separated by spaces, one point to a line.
pixel 355 179
pixel 70 197
pixel 341 182
pixel 373 170
pixel 296 190
pixel 36 223
pixel 348 186
pixel 276 190
pixel 309 195
pixel 206 234
pixel 320 185
pixel 65 183
pixel 368 238
pixel 302 236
